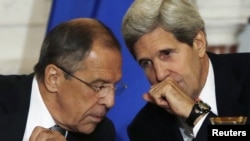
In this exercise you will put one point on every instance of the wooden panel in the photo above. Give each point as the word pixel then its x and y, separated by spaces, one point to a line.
pixel 223 49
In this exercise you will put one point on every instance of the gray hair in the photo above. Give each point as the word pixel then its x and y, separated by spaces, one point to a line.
pixel 176 16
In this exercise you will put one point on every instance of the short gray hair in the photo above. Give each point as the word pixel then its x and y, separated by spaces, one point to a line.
pixel 176 16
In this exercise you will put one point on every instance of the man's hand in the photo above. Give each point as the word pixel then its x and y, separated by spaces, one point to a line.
pixel 169 96
pixel 44 134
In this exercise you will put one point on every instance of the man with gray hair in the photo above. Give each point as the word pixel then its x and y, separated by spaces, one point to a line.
pixel 189 85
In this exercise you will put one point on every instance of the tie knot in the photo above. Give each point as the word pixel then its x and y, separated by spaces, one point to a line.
pixel 58 128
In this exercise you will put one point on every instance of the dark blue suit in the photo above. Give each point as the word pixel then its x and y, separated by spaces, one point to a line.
pixel 15 91
pixel 232 86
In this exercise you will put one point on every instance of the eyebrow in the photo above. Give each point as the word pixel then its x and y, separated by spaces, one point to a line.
pixel 158 52
pixel 165 50
pixel 100 81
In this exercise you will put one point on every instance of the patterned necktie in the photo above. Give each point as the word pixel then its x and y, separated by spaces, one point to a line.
pixel 59 129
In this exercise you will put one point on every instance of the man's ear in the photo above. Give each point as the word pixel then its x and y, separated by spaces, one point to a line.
pixel 52 78
pixel 200 43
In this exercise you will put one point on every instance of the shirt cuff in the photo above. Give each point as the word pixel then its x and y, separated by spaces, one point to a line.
pixel 198 125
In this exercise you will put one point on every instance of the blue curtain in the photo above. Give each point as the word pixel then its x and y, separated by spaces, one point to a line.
pixel 110 12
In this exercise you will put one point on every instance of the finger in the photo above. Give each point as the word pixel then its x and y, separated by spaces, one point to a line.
pixel 162 84
pixel 44 134
pixel 158 94
pixel 148 98
pixel 35 133
pixel 160 101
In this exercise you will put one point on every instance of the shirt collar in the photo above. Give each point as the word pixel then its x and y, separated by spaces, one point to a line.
pixel 208 92
pixel 38 113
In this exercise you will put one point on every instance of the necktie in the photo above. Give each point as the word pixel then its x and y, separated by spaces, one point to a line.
pixel 59 129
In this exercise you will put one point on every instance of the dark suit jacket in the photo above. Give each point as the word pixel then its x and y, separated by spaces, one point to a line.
pixel 232 86
pixel 15 91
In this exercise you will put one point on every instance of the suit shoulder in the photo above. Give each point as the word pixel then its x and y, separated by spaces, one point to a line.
pixel 13 80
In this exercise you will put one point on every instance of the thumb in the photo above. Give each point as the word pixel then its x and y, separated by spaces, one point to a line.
pixel 147 97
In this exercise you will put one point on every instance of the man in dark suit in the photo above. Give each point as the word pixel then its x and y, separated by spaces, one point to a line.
pixel 189 85
pixel 73 87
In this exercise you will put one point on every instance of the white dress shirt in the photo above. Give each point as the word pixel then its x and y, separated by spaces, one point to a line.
pixel 207 95
pixel 38 113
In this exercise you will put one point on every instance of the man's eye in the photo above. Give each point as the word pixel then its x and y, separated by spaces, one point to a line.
pixel 165 54
pixel 97 88
pixel 145 63
pixel 102 87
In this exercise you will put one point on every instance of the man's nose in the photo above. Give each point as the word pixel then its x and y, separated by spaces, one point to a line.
pixel 108 99
pixel 161 71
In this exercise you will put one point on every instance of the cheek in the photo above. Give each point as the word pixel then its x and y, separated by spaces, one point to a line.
pixel 186 66
pixel 77 101
pixel 191 76
pixel 81 101
pixel 150 74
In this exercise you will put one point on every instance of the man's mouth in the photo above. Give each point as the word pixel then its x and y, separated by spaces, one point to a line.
pixel 97 117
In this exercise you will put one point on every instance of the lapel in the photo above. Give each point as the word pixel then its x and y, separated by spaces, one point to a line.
pixel 228 89
pixel 154 123
pixel 13 126
pixel 16 104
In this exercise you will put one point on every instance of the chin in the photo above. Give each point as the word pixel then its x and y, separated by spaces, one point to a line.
pixel 88 129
